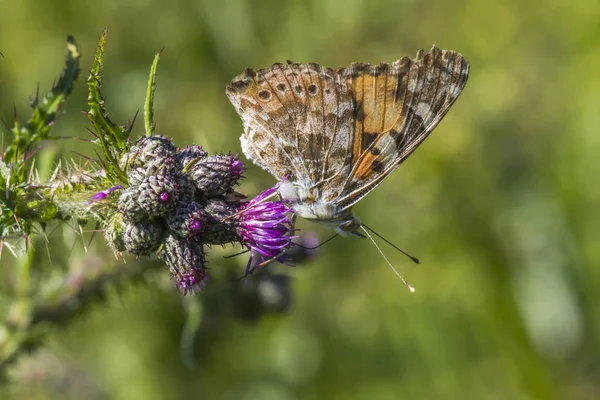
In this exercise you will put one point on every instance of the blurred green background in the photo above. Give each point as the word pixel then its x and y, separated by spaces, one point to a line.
pixel 501 204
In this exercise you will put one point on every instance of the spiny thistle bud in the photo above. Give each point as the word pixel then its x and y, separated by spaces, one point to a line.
pixel 185 260
pixel 157 195
pixel 188 219
pixel 114 233
pixel 135 176
pixel 129 205
pixel 142 238
pixel 190 154
pixel 147 157
pixel 157 166
pixel 129 159
pixel 162 166
pixel 187 189
pixel 155 147
pixel 221 209
pixel 221 228
pixel 216 175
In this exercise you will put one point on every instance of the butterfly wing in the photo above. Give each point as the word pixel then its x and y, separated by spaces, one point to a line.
pixel 397 107
pixel 298 124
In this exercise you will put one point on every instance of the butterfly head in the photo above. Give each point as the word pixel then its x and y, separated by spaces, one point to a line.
pixel 349 227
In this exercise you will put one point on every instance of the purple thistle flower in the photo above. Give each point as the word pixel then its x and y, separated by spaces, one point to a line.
pixel 104 194
pixel 237 167
pixel 196 225
pixel 265 227
pixel 164 197
pixel 190 282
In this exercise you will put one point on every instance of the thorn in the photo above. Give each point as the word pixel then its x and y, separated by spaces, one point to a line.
pixel 100 160
pixel 84 156
pixel 31 154
pixel 93 133
pixel 34 103
pixel 83 139
pixel 17 221
pixel 133 121
pixel 6 125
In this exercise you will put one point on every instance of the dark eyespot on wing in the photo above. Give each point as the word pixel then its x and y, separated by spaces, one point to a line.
pixel 264 95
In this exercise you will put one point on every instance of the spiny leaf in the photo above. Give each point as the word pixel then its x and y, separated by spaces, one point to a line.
pixel 37 128
pixel 112 138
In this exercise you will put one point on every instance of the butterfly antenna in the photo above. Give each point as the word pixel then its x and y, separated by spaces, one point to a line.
pixel 412 289
pixel 317 246
pixel 413 259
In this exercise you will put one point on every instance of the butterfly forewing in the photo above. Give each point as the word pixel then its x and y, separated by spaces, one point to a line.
pixel 400 104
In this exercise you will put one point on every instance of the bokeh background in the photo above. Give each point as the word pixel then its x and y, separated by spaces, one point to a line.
pixel 501 204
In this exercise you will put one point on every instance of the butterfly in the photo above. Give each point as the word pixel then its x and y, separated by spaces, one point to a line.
pixel 333 135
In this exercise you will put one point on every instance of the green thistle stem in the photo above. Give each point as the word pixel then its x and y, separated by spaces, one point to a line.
pixel 26 323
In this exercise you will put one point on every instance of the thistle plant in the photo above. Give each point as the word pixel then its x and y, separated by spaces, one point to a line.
pixel 149 197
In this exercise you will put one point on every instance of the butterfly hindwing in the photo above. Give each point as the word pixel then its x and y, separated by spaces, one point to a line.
pixel 398 105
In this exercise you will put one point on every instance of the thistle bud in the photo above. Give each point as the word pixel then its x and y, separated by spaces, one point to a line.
pixel 129 205
pixel 185 259
pixel 128 160
pixel 114 233
pixel 135 176
pixel 155 147
pixel 188 219
pixel 187 189
pixel 191 154
pixel 147 155
pixel 157 195
pixel 142 238
pixel 216 175
pixel 221 227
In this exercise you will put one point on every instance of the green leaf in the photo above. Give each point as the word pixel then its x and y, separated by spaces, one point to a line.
pixel 149 105
pixel 3 171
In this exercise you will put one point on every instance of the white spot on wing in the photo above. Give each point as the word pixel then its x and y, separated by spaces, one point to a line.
pixel 422 110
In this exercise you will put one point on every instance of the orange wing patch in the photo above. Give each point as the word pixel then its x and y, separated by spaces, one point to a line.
pixel 397 106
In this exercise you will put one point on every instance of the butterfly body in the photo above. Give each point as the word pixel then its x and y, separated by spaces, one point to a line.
pixel 332 135
pixel 313 209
